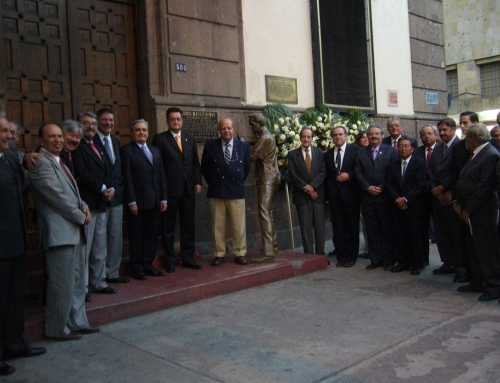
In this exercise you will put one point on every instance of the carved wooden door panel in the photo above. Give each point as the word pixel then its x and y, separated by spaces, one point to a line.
pixel 35 76
pixel 103 60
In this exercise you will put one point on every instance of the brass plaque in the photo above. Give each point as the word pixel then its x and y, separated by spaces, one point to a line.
pixel 281 89
pixel 200 124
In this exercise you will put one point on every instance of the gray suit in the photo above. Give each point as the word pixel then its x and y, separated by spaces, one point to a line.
pixel 60 226
pixel 311 212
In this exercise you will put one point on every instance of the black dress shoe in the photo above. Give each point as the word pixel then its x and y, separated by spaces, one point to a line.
pixel 469 289
pixel 349 264
pixel 106 290
pixel 218 261
pixel 88 330
pixel 117 280
pixel 5 369
pixel 415 271
pixel 71 336
pixel 28 353
pixel 373 266
pixel 170 268
pixel 191 265
pixel 398 269
pixel 240 260
pixel 154 272
pixel 389 267
pixel 140 276
pixel 339 264
pixel 443 270
pixel 88 297
pixel 489 296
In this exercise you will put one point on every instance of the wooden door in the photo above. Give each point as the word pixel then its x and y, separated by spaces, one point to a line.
pixel 103 60
pixel 35 76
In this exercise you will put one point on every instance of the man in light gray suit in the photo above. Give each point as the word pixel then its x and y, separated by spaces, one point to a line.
pixel 307 173
pixel 61 217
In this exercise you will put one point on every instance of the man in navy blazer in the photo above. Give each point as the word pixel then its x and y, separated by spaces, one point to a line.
pixel 146 197
pixel 477 207
pixel 342 193
pixel 182 171
pixel 395 128
pixel 307 173
pixel 370 169
pixel 225 165
pixel 405 185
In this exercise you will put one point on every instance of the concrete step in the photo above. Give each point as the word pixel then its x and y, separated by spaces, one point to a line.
pixel 184 286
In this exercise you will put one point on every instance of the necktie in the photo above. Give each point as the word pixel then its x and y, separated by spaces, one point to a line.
pixel 95 150
pixel 147 153
pixel 107 146
pixel 338 160
pixel 227 155
pixel 179 143
pixel 66 172
pixel 404 170
pixel 308 161
pixel 469 159
pixel 374 154
pixel 70 157
pixel 396 144
pixel 428 159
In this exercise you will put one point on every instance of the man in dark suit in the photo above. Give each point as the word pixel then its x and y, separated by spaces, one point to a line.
pixel 225 165
pixel 146 197
pixel 96 188
pixel 395 128
pixel 72 135
pixel 307 174
pixel 61 217
pixel 342 193
pixel 13 245
pixel 477 206
pixel 182 170
pixel 370 170
pixel 447 225
pixel 406 181
pixel 428 136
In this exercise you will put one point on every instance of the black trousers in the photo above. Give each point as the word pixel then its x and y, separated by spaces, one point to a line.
pixel 12 284
pixel 345 227
pixel 379 230
pixel 185 207
pixel 448 234
pixel 408 233
pixel 143 230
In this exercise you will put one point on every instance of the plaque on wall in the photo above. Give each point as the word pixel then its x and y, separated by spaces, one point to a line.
pixel 281 89
pixel 201 125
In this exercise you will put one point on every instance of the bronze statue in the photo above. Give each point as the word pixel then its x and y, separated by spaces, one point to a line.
pixel 267 180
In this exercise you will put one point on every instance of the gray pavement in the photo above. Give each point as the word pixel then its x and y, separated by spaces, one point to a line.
pixel 337 325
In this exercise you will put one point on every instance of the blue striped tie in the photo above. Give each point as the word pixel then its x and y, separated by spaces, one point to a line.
pixel 227 155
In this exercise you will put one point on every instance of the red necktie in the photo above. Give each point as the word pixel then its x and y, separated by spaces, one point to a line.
pixel 95 150
pixel 396 144
pixel 66 172
pixel 428 159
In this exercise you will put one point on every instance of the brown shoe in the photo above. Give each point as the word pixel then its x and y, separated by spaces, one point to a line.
pixel 263 259
pixel 71 336
pixel 241 260
pixel 218 261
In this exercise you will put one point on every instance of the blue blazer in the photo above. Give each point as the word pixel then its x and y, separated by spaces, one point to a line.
pixel 349 190
pixel 372 173
pixel 225 180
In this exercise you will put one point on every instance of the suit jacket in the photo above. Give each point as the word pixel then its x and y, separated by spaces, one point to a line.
pixel 180 167
pixel 145 183
pixel 91 173
pixel 440 168
pixel 373 173
pixel 115 168
pixel 225 180
pixel 58 204
pixel 411 187
pixel 13 218
pixel 300 177
pixel 349 190
pixel 476 187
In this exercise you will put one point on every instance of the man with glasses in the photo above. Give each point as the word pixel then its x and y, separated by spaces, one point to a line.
pixel 395 128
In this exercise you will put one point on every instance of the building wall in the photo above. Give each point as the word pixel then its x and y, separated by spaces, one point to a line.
pixel 472 36
pixel 277 42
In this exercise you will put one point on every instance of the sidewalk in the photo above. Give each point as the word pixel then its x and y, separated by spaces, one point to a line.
pixel 344 325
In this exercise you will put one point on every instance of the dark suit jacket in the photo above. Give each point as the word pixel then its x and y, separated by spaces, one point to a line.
pixel 411 187
pixel 91 173
pixel 225 180
pixel 476 187
pixel 387 141
pixel 115 169
pixel 349 190
pixel 180 167
pixel 13 218
pixel 145 183
pixel 300 177
pixel 440 168
pixel 373 173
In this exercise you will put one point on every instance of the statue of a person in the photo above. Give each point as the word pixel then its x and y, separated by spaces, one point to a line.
pixel 267 180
